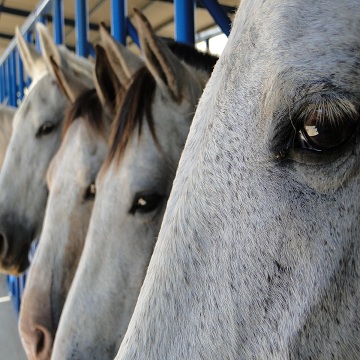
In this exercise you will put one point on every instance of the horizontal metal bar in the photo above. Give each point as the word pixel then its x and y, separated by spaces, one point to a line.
pixel 228 9
pixel 6 36
pixel 49 17
pixel 71 22
pixel 14 11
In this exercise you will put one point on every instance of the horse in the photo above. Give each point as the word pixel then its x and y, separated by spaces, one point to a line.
pixel 70 178
pixel 35 138
pixel 258 253
pixel 148 134
pixel 6 121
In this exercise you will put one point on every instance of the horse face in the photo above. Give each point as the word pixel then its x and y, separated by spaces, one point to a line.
pixel 36 136
pixel 70 178
pixel 129 205
pixel 258 254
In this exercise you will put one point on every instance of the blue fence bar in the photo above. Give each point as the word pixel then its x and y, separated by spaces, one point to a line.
pixel 185 21
pixel 219 15
pixel 82 26
pixel 28 38
pixel 118 20
pixel 58 18
pixel 12 79
pixel 20 71
pixel 132 32
pixel 6 77
pixel 2 84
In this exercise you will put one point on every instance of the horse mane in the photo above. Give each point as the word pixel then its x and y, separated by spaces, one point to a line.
pixel 88 107
pixel 137 101
pixel 135 106
pixel 192 56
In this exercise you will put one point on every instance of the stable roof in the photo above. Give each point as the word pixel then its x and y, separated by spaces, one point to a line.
pixel 160 13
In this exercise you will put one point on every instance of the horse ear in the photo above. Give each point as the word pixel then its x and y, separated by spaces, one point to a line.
pixel 32 60
pixel 123 61
pixel 106 81
pixel 48 46
pixel 167 70
pixel 71 86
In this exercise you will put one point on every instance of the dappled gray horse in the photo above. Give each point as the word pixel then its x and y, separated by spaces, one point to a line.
pixel 258 253
pixel 35 138
pixel 148 134
pixel 71 182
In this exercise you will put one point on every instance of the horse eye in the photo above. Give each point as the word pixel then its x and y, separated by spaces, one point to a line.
pixel 145 203
pixel 320 133
pixel 45 129
pixel 90 192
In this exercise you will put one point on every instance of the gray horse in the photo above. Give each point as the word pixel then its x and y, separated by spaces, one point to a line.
pixel 258 254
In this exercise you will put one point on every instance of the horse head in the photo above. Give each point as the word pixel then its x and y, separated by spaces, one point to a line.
pixel 132 187
pixel 36 137
pixel 71 183
pixel 258 255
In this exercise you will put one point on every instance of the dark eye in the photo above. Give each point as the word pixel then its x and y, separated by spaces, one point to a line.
pixel 321 132
pixel 145 203
pixel 90 192
pixel 45 129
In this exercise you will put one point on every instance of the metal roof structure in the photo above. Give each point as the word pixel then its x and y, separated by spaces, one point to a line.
pixel 160 13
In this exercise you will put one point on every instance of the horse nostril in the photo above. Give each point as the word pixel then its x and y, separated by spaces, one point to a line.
pixel 4 246
pixel 43 344
pixel 40 341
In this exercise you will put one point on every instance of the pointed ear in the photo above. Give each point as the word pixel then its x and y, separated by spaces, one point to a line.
pixel 107 83
pixel 80 68
pixel 71 86
pixel 48 46
pixel 32 60
pixel 123 61
pixel 166 68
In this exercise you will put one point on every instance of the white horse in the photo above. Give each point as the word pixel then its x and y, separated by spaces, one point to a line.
pixel 36 137
pixel 70 179
pixel 132 189
pixel 258 254
pixel 6 123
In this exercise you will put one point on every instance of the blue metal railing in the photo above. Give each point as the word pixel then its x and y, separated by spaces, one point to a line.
pixel 185 21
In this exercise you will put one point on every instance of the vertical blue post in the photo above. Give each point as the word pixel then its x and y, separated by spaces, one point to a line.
pixel 185 21
pixel 58 16
pixel 28 38
pixel 118 20
pixel 82 26
pixel 2 83
pixel 219 15
pixel 12 78
pixel 132 32
pixel 20 72
pixel 5 73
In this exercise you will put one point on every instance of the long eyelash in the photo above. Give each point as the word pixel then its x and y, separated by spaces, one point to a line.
pixel 333 110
